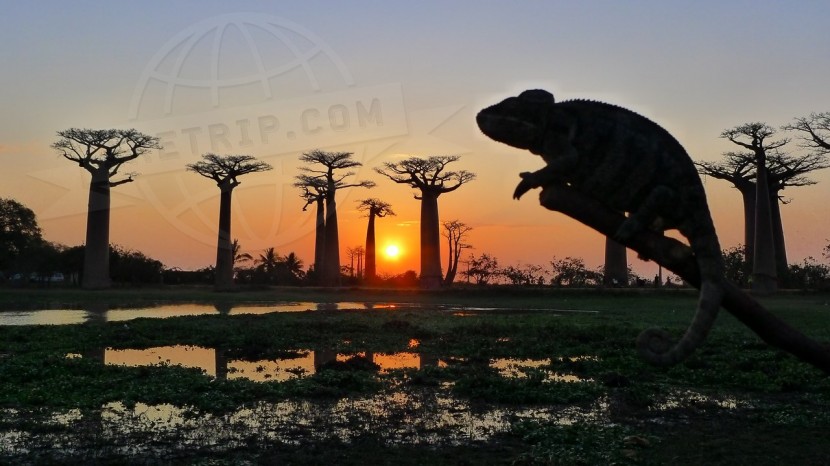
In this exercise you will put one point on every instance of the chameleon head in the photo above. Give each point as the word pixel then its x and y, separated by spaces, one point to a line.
pixel 517 121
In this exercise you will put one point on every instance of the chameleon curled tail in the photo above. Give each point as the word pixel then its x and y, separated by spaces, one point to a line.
pixel 655 344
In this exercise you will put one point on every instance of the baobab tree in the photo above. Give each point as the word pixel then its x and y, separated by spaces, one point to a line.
pixel 738 169
pixel 783 170
pixel 755 137
pixel 814 132
pixel 373 208
pixel 101 152
pixel 314 192
pixel 225 171
pixel 455 232
pixel 430 178
pixel 331 162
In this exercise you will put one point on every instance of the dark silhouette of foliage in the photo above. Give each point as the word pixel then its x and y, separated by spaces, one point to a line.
pixel 71 263
pixel 809 275
pixel 571 271
pixel 482 269
pixel 526 275
pixel 133 267
pixel 271 268
pixel 225 171
pixel 408 279
pixel 102 153
pixel 431 178
pixel 734 265
pixel 19 233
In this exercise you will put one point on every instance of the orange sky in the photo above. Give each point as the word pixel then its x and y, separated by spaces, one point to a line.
pixel 273 82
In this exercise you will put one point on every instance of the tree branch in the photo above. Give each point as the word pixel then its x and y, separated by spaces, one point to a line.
pixel 677 257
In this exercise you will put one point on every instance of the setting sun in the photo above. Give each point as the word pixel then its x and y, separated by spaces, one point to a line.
pixel 392 251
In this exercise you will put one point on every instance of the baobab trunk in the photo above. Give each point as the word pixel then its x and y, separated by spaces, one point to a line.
pixel 430 242
pixel 370 270
pixel 224 247
pixel 764 278
pixel 616 263
pixel 778 235
pixel 320 240
pixel 452 261
pixel 97 247
pixel 748 195
pixel 331 264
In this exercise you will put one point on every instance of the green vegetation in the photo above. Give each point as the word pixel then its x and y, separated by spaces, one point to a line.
pixel 590 399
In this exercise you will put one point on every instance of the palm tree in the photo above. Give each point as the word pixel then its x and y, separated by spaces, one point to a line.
pixel 293 266
pixel 428 176
pixel 225 170
pixel 269 263
pixel 238 255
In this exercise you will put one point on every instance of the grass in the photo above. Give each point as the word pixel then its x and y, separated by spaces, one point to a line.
pixel 740 400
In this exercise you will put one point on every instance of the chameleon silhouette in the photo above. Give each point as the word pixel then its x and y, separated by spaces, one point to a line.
pixel 630 164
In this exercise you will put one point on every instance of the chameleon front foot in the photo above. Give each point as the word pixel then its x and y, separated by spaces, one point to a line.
pixel 525 185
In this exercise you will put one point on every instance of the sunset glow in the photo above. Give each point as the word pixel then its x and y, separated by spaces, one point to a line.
pixel 239 78
pixel 392 251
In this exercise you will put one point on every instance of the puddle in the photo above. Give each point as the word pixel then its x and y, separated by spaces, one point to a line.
pixel 400 418
pixel 400 415
pixel 179 355
pixel 80 316
pixel 215 363
pixel 520 368
pixel 686 398
pixel 272 370
pixel 44 317
pixel 305 363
